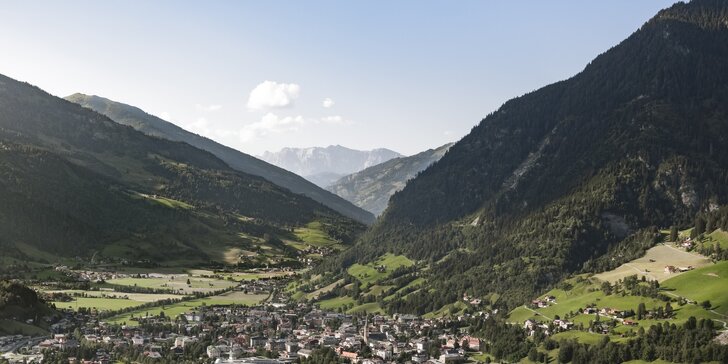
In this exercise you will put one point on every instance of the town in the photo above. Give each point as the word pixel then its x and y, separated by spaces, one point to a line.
pixel 277 330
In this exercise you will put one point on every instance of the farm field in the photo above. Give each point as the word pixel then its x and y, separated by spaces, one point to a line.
pixel 108 301
pixel 176 283
pixel 368 274
pixel 652 265
pixel 249 276
pixel 99 303
pixel 174 310
pixel 139 297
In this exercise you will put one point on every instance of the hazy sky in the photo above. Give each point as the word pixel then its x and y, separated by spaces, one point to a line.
pixel 262 75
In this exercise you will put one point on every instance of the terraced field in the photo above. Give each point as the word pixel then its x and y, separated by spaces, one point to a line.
pixel 381 268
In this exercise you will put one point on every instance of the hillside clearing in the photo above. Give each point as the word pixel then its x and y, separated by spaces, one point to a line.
pixel 381 268
pixel 652 265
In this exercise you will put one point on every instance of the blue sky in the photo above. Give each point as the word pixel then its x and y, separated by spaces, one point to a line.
pixel 405 75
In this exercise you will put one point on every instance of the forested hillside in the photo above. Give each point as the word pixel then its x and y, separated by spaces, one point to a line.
pixel 559 180
pixel 371 188
pixel 154 126
pixel 21 309
pixel 75 183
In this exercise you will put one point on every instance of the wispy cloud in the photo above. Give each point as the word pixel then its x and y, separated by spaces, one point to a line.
pixel 335 119
pixel 212 107
pixel 272 123
pixel 328 103
pixel 272 95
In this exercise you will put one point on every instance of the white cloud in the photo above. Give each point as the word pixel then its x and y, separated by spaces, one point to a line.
pixel 328 103
pixel 335 119
pixel 271 94
pixel 213 107
pixel 271 123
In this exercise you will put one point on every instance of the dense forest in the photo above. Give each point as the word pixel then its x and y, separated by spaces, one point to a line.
pixel 578 176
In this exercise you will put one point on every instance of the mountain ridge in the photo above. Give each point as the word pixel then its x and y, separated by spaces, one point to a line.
pixel 327 164
pixel 76 182
pixel 371 188
pixel 576 176
pixel 152 125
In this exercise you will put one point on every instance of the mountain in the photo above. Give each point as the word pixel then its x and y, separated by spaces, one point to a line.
pixel 152 125
pixel 325 165
pixel 574 177
pixel 75 183
pixel 371 188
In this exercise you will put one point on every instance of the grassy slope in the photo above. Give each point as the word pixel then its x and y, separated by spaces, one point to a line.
pixel 587 293
pixel 707 283
pixel 652 265
pixel 313 234
pixel 233 298
pixel 11 327
pixel 368 274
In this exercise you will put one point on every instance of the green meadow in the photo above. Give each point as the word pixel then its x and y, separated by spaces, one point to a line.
pixel 176 309
pixel 314 234
pixel 369 274
pixel 704 284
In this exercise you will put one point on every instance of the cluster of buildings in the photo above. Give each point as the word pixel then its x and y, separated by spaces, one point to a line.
pixel 295 332
pixel 543 302
pixel 687 243
pixel 556 326
pixel 273 333
pixel 669 269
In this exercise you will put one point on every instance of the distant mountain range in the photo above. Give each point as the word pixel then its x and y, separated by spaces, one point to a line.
pixel 75 183
pixel 371 188
pixel 324 166
pixel 575 177
pixel 152 125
